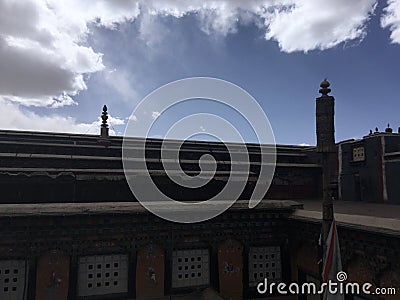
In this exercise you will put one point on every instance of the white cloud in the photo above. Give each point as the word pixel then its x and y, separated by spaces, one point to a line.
pixel 20 118
pixel 304 144
pixel 41 60
pixel 297 25
pixel 45 58
pixel 155 114
pixel 391 20
pixel 133 118
pixel 317 24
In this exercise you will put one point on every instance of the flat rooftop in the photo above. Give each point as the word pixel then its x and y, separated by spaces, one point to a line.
pixel 98 208
pixel 383 218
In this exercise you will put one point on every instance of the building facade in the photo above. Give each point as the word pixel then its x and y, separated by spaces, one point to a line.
pixel 370 168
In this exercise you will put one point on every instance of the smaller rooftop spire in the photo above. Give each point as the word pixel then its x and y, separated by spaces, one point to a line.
pixel 104 117
pixel 104 125
pixel 388 129
pixel 325 90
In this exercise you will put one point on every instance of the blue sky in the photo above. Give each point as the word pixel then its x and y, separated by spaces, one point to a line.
pixel 116 53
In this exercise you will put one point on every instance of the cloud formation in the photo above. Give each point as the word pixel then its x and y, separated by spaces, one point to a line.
pixel 45 58
pixel 42 62
pixel 317 24
pixel 391 20
pixel 20 118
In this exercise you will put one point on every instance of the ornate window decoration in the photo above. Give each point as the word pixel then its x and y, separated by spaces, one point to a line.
pixel 190 268
pixel 264 262
pixel 12 279
pixel 358 154
pixel 102 275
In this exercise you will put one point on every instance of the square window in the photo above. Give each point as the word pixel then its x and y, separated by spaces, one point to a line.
pixel 92 283
pixel 195 273
pixel 11 278
pixel 264 261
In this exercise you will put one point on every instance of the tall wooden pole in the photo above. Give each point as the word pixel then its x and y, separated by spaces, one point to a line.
pixel 325 124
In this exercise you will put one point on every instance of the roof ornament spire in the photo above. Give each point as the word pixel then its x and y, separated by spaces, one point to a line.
pixel 104 130
pixel 325 90
pixel 104 117
pixel 388 129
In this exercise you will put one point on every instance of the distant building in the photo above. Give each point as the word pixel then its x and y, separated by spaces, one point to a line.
pixel 369 169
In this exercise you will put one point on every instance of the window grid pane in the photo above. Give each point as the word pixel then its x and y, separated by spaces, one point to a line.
pixel 102 275
pixel 264 262
pixel 358 154
pixel 190 268
pixel 12 279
